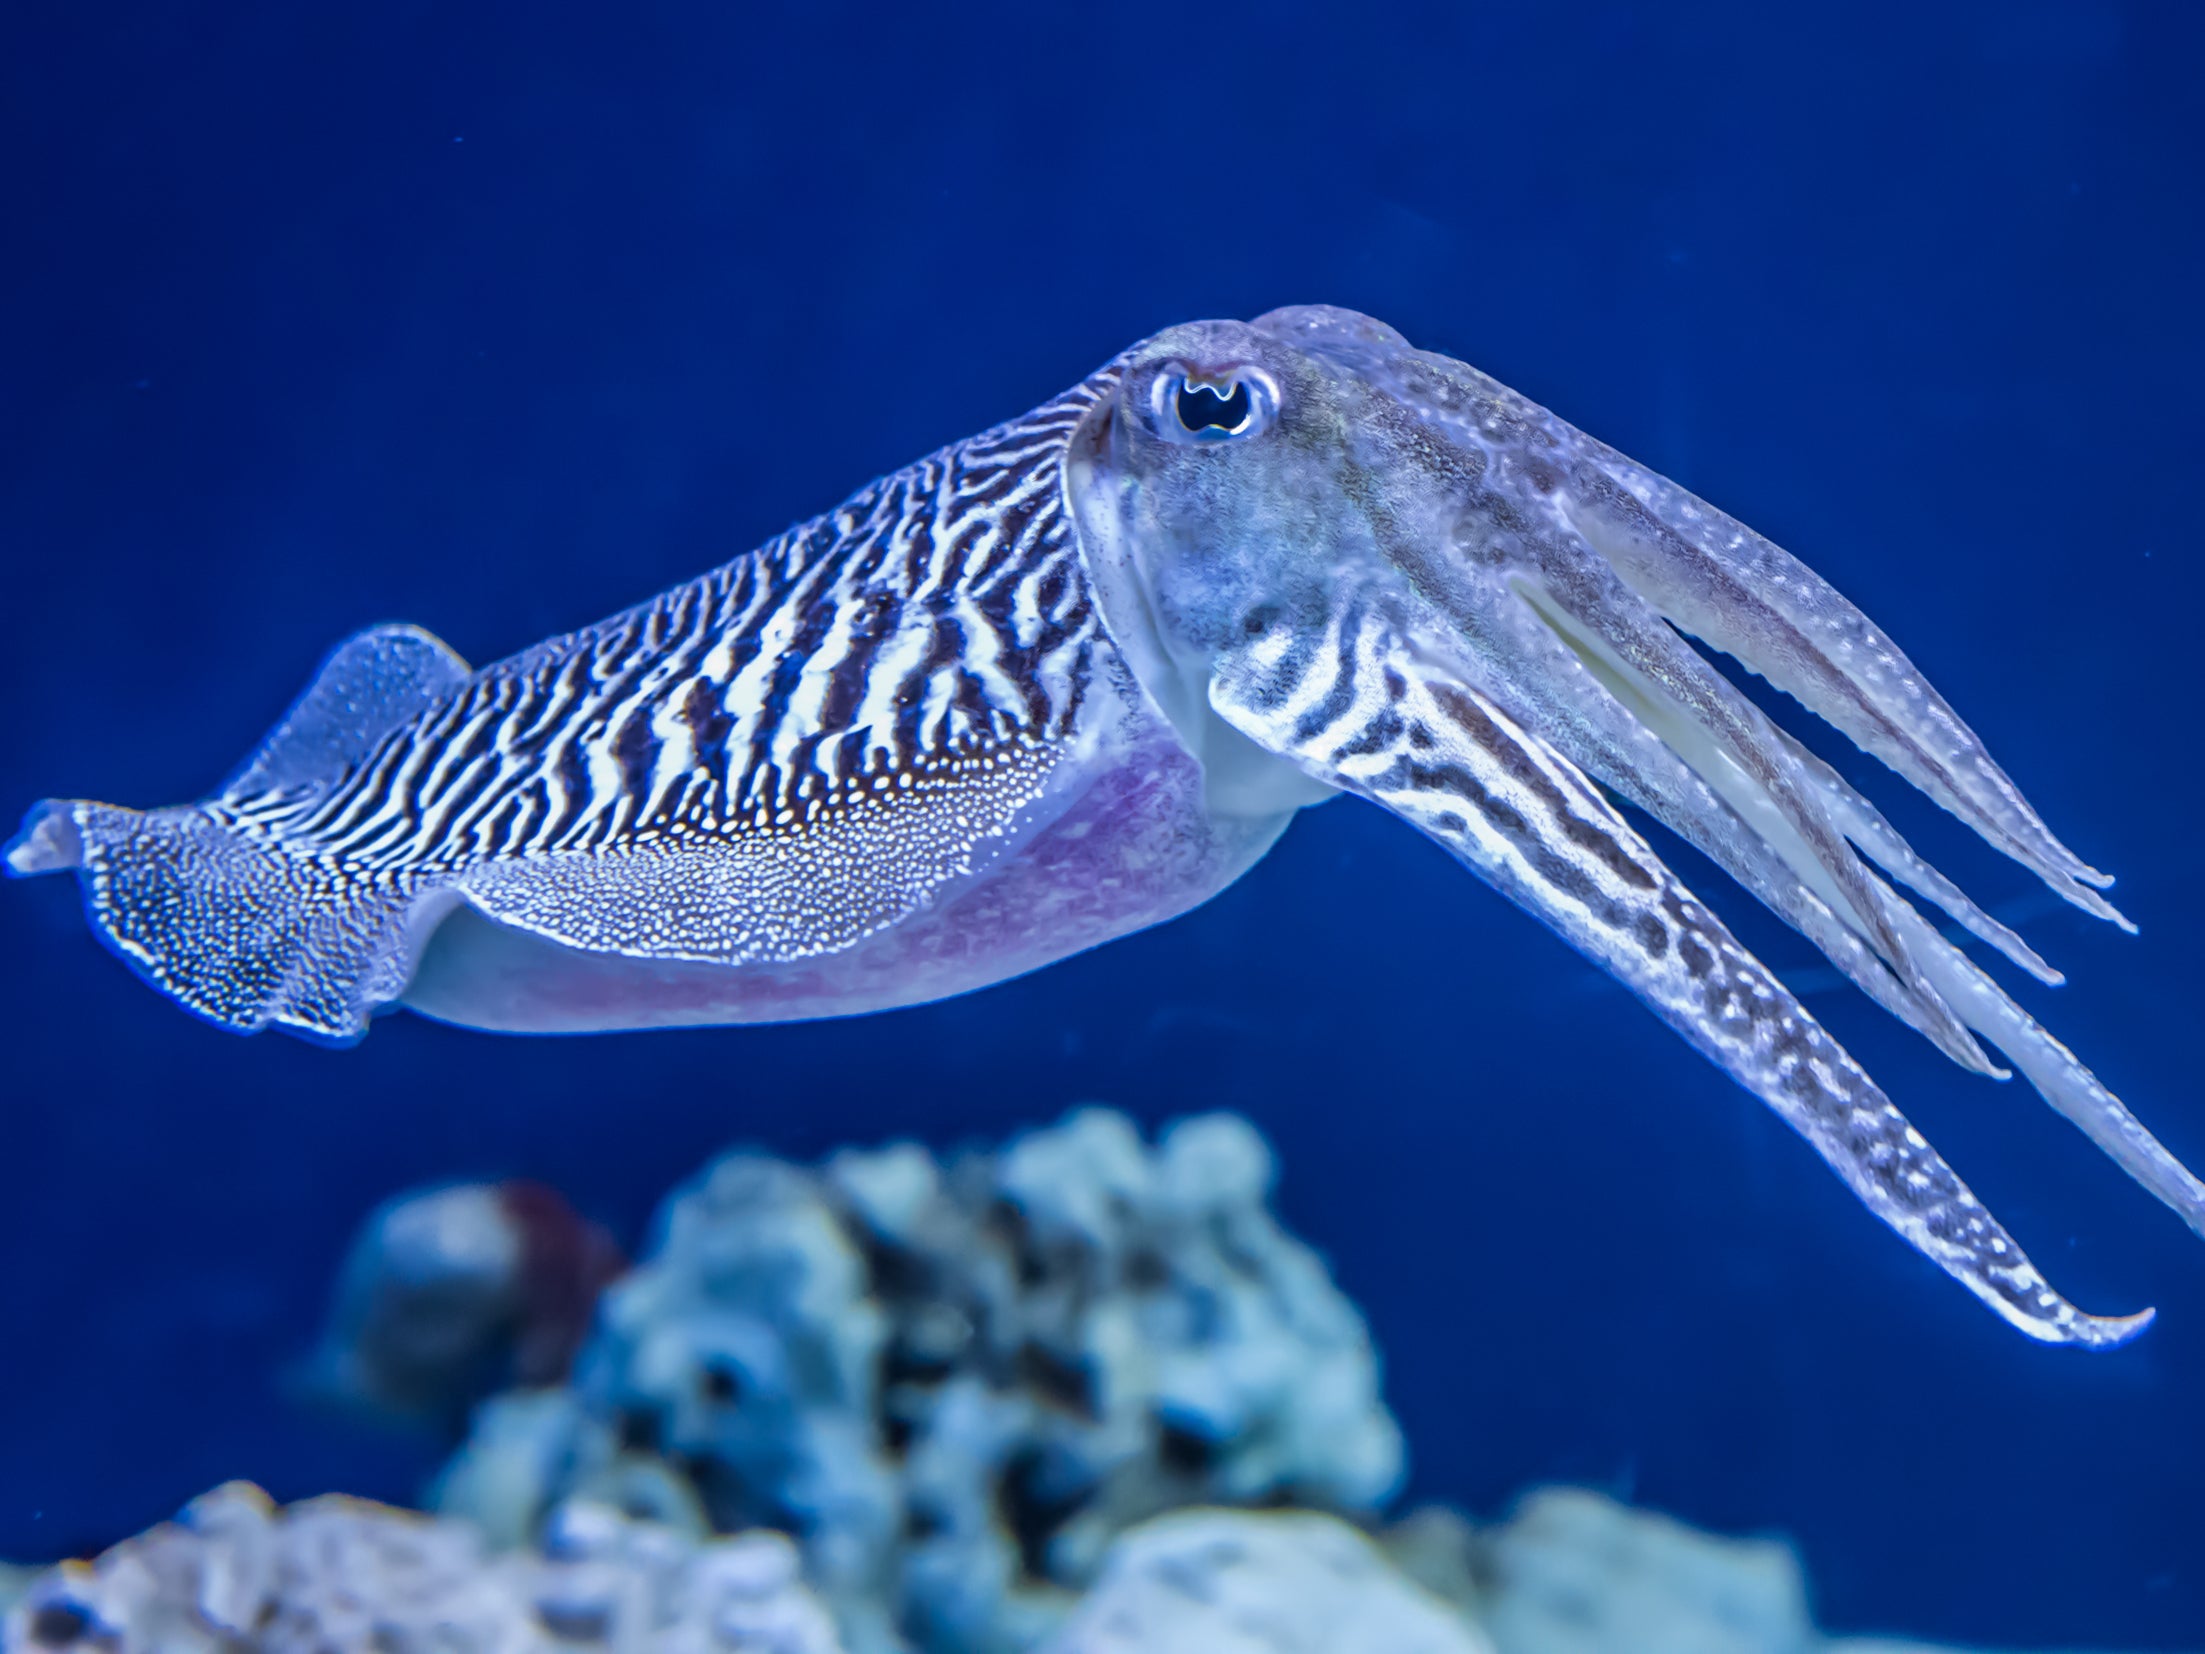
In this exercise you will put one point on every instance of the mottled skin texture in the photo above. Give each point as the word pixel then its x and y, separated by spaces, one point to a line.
pixel 1072 677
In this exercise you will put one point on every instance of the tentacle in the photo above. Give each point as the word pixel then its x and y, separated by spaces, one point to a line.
pixel 1715 578
pixel 1406 567
pixel 1644 748
pixel 1732 745
pixel 1724 737
pixel 1882 843
pixel 1738 592
pixel 2056 1073
pixel 1446 758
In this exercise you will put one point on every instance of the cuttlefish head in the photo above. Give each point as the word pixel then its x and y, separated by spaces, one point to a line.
pixel 1252 482
pixel 1340 564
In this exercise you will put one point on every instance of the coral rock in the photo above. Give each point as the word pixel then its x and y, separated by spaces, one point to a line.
pixel 449 1293
pixel 234 1575
pixel 1575 1573
pixel 1228 1582
pixel 958 1381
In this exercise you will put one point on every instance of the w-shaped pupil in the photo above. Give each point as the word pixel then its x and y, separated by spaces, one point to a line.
pixel 1201 408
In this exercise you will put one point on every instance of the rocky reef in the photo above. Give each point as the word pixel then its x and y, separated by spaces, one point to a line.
pixel 450 1293
pixel 336 1575
pixel 1081 1395
pixel 955 1382
pixel 1572 1573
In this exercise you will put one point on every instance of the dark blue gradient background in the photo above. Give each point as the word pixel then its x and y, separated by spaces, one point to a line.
pixel 499 317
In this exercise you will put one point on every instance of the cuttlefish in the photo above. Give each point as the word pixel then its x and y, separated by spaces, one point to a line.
pixel 1074 676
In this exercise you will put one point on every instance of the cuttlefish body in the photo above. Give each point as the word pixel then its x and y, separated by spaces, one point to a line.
pixel 1074 676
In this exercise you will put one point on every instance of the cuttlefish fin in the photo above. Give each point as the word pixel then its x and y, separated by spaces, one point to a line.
pixel 370 684
pixel 229 921
pixel 1444 757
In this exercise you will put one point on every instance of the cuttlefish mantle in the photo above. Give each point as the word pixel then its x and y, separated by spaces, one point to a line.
pixel 1073 676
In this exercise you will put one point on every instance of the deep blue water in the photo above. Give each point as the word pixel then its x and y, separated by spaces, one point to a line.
pixel 498 318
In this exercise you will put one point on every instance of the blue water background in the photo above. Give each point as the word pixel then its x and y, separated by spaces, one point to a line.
pixel 499 317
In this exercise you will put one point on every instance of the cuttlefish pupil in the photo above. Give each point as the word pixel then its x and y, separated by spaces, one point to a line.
pixel 1073 676
pixel 1189 404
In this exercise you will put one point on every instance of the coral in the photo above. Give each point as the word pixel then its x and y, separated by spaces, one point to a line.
pixel 1576 1573
pixel 958 1382
pixel 986 1395
pixel 1570 1573
pixel 448 1293
pixel 234 1575
pixel 1217 1582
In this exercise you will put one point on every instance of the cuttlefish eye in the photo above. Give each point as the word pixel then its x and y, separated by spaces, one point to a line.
pixel 1188 405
